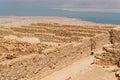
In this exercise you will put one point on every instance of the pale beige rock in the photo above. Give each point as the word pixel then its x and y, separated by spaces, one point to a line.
pixel 32 47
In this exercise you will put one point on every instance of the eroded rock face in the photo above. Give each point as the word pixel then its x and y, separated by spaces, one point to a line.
pixel 111 52
pixel 109 56
pixel 117 74
pixel 12 48
pixel 42 48
pixel 22 39
pixel 115 35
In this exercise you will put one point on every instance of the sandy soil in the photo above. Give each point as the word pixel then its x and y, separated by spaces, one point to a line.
pixel 80 70
pixel 51 50
pixel 69 71
pixel 95 73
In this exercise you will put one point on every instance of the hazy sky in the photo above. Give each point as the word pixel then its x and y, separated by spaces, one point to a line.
pixel 114 4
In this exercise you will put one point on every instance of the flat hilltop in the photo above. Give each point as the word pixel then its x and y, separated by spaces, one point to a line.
pixel 57 48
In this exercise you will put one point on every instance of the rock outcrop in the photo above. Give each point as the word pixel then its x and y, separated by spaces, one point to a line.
pixel 42 48
pixel 111 52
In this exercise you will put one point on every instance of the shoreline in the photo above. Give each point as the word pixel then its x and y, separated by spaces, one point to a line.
pixel 43 48
pixel 26 20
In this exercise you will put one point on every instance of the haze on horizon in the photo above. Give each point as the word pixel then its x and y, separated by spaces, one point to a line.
pixel 90 5
pixel 112 4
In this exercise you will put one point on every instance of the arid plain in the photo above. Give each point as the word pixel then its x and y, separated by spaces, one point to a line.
pixel 57 48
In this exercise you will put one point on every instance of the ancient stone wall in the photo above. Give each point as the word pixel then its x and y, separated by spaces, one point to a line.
pixel 44 48
pixel 48 61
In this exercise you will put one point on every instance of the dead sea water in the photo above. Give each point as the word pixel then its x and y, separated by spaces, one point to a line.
pixel 97 17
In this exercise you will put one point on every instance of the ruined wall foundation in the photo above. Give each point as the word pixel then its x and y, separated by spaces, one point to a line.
pixel 42 48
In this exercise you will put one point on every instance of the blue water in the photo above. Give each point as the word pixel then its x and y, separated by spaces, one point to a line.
pixel 98 17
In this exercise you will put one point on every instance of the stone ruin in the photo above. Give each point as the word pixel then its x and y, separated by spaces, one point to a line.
pixel 111 52
pixel 42 48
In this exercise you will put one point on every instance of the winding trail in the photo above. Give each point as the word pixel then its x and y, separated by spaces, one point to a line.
pixel 71 70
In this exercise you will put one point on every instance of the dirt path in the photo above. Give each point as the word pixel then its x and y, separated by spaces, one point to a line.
pixel 73 69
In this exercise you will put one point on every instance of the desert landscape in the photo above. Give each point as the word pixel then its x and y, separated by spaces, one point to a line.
pixel 57 48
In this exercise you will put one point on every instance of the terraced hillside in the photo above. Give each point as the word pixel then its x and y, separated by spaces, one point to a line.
pixel 42 48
